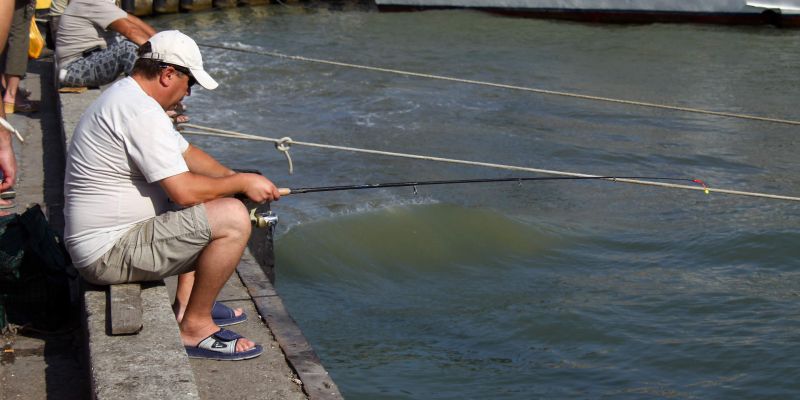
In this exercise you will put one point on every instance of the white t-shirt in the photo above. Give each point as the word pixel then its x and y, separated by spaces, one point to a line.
pixel 122 146
pixel 83 26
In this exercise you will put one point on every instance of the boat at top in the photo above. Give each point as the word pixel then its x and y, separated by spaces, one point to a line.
pixel 781 13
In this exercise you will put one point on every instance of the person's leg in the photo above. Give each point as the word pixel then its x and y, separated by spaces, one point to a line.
pixel 182 293
pixel 230 230
pixel 16 62
pixel 6 16
pixel 210 237
pixel 102 66
pixel 11 83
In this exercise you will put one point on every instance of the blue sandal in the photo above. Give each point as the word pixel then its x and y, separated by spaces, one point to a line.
pixel 222 346
pixel 224 315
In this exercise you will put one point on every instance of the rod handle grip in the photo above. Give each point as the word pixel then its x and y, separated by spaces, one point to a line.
pixel 284 191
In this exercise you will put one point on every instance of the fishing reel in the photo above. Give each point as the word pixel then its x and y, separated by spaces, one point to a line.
pixel 263 219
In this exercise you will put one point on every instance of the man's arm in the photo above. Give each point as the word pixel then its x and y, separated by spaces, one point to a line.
pixel 201 163
pixel 8 163
pixel 207 179
pixel 6 14
pixel 131 30
pixel 188 188
pixel 149 30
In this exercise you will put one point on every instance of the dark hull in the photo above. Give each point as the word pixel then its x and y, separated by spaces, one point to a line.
pixel 627 17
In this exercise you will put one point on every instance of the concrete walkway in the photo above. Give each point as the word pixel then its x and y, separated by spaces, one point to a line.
pixel 52 365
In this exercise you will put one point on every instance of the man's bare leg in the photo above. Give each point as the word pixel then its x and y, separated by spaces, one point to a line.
pixel 230 229
pixel 182 293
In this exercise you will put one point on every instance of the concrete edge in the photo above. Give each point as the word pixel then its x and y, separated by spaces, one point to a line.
pixel 316 382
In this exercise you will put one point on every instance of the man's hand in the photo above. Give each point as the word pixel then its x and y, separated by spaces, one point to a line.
pixel 8 163
pixel 260 189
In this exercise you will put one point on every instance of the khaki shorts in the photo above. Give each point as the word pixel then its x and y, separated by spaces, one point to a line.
pixel 163 246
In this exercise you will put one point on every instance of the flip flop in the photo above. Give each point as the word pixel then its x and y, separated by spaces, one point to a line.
pixel 224 315
pixel 222 346
pixel 21 107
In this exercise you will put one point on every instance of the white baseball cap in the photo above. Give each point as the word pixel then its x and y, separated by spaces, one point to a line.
pixel 173 47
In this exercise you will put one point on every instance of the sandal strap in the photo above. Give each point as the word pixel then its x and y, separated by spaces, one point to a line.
pixel 223 341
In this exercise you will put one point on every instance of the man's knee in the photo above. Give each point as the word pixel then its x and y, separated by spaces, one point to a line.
pixel 227 217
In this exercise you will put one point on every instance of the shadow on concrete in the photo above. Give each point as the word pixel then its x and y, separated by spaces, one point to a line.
pixel 66 374
pixel 52 141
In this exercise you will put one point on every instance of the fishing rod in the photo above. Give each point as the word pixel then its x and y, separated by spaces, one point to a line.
pixel 288 191
pixel 268 219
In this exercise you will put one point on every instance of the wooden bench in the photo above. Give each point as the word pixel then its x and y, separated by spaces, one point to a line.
pixel 125 308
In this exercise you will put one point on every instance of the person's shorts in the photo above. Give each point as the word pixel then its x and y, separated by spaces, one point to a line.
pixel 163 246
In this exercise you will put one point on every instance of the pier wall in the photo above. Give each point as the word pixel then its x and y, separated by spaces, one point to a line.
pixel 144 8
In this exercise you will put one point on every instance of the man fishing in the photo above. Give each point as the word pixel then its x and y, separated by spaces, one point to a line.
pixel 124 165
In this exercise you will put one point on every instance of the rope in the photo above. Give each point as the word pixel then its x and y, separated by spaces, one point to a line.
pixel 288 142
pixel 512 87
pixel 283 145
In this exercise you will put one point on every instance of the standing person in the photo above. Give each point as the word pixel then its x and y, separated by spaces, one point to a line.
pixel 88 50
pixel 8 163
pixel 15 59
pixel 125 163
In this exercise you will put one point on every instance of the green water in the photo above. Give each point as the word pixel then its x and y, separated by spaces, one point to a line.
pixel 539 290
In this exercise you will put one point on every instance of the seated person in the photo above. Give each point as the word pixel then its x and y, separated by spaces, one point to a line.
pixel 124 163
pixel 89 48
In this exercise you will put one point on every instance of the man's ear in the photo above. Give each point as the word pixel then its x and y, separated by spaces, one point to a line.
pixel 167 76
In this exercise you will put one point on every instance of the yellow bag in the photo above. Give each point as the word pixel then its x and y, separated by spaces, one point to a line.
pixel 37 41
pixel 43 4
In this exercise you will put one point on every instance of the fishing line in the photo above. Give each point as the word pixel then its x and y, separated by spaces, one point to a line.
pixel 288 191
pixel 506 86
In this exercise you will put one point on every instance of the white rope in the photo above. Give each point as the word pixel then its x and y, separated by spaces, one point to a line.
pixel 287 142
pixel 513 87
pixel 283 145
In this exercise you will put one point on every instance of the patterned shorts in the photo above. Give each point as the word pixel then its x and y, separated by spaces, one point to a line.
pixel 101 67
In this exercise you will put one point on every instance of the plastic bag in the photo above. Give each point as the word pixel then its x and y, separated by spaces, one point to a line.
pixel 37 41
